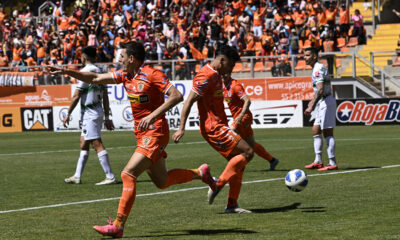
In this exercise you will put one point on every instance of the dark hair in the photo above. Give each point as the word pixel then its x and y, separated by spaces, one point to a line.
pixel 90 52
pixel 313 50
pixel 135 49
pixel 228 52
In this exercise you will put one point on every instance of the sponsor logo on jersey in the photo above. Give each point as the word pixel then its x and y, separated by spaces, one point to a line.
pixel 138 99
pixel 361 112
pixel 37 119
pixel 140 86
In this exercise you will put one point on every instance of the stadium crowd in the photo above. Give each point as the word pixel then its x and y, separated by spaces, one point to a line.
pixel 177 29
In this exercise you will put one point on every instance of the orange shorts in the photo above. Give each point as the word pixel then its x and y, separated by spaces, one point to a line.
pixel 152 143
pixel 222 139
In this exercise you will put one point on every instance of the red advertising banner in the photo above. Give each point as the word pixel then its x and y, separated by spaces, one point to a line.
pixel 289 88
pixel 36 96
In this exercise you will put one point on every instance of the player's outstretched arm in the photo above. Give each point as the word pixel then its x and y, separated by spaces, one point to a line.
pixel 184 115
pixel 88 77
pixel 174 97
pixel 246 106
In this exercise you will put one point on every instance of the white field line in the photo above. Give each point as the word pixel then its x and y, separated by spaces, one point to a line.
pixel 201 142
pixel 190 189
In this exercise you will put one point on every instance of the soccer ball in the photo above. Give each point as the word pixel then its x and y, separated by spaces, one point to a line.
pixel 296 180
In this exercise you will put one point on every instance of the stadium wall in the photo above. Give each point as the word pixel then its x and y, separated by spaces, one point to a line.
pixel 276 103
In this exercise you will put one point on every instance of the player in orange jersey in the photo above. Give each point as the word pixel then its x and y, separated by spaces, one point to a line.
pixel 207 91
pixel 239 105
pixel 146 88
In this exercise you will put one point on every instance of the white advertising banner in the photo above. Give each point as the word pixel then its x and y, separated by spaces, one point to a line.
pixel 59 113
pixel 266 114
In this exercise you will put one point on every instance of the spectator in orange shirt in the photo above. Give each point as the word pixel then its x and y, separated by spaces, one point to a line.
pixel 17 49
pixel 330 14
pixel 3 59
pixel 40 53
pixel 344 20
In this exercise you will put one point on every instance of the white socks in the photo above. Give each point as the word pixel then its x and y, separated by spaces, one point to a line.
pixel 105 163
pixel 83 157
pixel 331 150
pixel 318 148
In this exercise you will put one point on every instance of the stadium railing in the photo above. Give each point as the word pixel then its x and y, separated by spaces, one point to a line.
pixel 249 67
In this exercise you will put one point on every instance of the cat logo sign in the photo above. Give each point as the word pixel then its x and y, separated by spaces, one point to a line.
pixel 10 120
pixel 37 119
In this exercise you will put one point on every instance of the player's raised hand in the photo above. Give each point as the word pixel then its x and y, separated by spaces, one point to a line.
pixel 178 135
pixel 109 124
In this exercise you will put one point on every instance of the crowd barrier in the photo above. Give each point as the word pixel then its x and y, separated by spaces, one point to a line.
pixel 278 102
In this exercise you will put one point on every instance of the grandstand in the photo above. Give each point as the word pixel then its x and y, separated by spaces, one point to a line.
pixel 181 35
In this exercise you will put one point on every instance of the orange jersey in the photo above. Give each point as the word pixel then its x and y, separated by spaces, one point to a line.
pixel 233 94
pixel 146 92
pixel 208 84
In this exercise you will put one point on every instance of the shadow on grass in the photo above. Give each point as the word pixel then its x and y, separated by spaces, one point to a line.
pixel 278 209
pixel 313 209
pixel 200 232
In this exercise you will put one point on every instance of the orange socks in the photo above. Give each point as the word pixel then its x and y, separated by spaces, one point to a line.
pixel 178 176
pixel 235 184
pixel 127 199
pixel 260 151
pixel 234 166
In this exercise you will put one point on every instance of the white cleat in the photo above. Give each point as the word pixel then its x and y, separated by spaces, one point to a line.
pixel 107 181
pixel 236 209
pixel 212 194
pixel 73 180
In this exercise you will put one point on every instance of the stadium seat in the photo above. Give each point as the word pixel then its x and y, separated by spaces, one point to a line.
pixel 338 63
pixel 246 67
pixel 238 67
pixel 352 42
pixel 301 65
pixel 259 66
pixel 341 42
pixel 396 62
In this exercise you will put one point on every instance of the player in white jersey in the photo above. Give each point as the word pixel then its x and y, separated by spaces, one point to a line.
pixel 93 98
pixel 324 105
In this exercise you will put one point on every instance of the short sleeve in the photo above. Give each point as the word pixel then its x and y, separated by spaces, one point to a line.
pixel 320 73
pixel 238 90
pixel 118 76
pixel 160 81
pixel 82 85
pixel 201 83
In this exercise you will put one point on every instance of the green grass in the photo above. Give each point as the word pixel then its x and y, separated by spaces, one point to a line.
pixel 355 205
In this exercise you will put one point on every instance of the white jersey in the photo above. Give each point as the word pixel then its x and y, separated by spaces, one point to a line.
pixel 320 74
pixel 92 96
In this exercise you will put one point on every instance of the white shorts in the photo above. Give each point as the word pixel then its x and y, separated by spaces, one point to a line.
pixel 91 128
pixel 326 113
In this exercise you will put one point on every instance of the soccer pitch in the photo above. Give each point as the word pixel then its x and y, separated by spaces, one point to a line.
pixel 359 201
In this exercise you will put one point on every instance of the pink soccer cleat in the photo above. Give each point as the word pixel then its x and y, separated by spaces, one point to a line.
pixel 109 230
pixel 314 165
pixel 206 176
pixel 328 168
